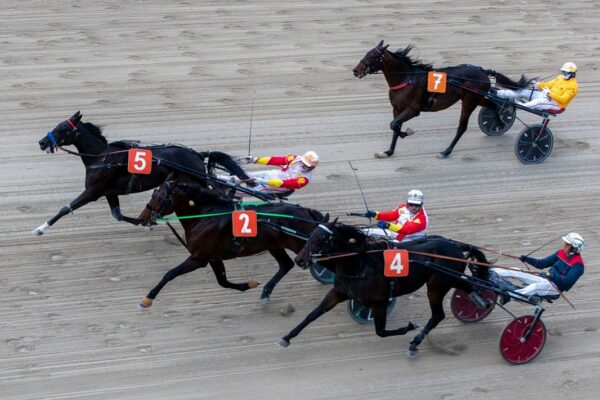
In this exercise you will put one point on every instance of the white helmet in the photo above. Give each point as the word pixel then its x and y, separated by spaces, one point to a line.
pixel 415 197
pixel 569 67
pixel 575 240
pixel 310 159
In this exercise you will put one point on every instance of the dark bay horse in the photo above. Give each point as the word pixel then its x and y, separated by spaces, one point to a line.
pixel 210 240
pixel 407 81
pixel 361 276
pixel 106 165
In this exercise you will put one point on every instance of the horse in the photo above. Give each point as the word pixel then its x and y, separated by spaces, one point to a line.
pixel 209 238
pixel 359 268
pixel 106 165
pixel 407 81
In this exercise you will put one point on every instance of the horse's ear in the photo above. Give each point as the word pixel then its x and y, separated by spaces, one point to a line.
pixel 76 117
pixel 334 221
pixel 326 218
pixel 380 44
pixel 385 47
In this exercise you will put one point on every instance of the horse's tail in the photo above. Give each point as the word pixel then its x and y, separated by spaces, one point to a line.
pixel 508 83
pixel 224 160
pixel 481 271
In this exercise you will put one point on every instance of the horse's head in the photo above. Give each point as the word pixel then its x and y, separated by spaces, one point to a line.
pixel 160 204
pixel 316 243
pixel 371 62
pixel 64 134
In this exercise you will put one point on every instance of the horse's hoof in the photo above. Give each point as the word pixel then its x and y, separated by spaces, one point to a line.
pixel 283 343
pixel 412 352
pixel 265 300
pixel 145 303
pixel 383 154
pixel 413 325
pixel 442 155
pixel 252 283
pixel 39 231
pixel 409 132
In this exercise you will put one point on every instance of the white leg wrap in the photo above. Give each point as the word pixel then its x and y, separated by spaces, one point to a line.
pixel 39 231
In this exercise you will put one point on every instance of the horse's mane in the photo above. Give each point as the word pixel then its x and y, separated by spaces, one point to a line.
pixel 94 130
pixel 402 55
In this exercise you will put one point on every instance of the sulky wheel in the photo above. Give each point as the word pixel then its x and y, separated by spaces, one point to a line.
pixel 534 145
pixel 465 310
pixel 363 314
pixel 322 274
pixel 515 348
pixel 494 122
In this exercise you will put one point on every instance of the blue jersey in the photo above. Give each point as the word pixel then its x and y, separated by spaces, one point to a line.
pixel 564 269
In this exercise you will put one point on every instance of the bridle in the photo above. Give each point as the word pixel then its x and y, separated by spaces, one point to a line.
pixel 373 66
pixel 72 131
pixel 164 201
pixel 324 242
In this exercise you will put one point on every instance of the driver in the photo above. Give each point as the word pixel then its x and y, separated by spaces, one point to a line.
pixel 554 95
pixel 564 269
pixel 406 222
pixel 295 172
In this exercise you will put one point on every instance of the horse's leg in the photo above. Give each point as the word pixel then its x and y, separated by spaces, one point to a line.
pixel 188 265
pixel 396 126
pixel 80 201
pixel 469 105
pixel 331 300
pixel 219 269
pixel 285 264
pixel 113 202
pixel 435 294
pixel 380 316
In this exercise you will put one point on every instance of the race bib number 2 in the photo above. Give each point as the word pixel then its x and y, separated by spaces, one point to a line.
pixel 396 263
pixel 140 161
pixel 244 223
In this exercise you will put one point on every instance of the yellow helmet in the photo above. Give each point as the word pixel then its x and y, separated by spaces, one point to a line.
pixel 569 67
pixel 310 159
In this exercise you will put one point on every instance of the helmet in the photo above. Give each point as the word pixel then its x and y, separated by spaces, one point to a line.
pixel 569 67
pixel 415 197
pixel 310 159
pixel 575 240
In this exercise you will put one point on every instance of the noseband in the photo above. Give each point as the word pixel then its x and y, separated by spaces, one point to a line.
pixel 73 130
pixel 373 67
pixel 163 203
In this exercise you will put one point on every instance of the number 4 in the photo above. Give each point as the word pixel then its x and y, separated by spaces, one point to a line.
pixel 396 263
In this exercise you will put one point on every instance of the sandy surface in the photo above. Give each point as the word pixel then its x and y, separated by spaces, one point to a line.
pixel 186 72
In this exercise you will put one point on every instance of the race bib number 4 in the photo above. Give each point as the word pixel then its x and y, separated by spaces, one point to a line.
pixel 140 161
pixel 436 82
pixel 396 263
pixel 244 223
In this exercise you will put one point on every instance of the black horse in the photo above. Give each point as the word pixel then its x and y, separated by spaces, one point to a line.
pixel 209 237
pixel 106 165
pixel 407 81
pixel 359 269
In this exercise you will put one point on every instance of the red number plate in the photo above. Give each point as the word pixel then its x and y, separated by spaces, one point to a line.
pixel 436 82
pixel 396 263
pixel 244 223
pixel 140 161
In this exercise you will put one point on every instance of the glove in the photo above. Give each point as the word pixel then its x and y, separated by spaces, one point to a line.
pixel 383 224
pixel 249 159
pixel 370 214
pixel 522 258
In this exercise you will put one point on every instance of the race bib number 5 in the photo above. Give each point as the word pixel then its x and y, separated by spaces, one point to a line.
pixel 244 223
pixel 140 161
pixel 396 263
pixel 436 82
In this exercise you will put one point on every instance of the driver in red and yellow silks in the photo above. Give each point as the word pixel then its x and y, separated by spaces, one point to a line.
pixel 295 172
pixel 406 222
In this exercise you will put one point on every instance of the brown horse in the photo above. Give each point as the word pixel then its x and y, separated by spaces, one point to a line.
pixel 407 81
pixel 209 237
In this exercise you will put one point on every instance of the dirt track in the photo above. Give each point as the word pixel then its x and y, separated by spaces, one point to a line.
pixel 177 72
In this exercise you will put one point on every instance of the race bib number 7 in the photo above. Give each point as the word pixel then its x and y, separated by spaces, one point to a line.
pixel 244 223
pixel 140 161
pixel 396 263
pixel 436 82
